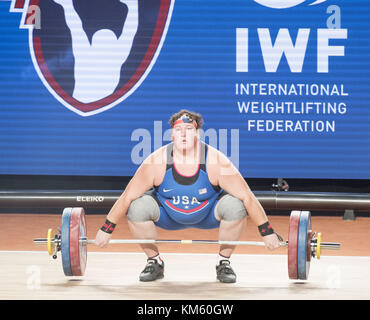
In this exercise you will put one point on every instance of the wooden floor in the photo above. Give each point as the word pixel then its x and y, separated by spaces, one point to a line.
pixel 28 272
pixel 190 276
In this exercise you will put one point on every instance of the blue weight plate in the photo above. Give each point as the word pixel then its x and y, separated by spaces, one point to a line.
pixel 66 260
pixel 303 238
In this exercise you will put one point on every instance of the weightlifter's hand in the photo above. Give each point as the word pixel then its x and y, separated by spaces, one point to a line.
pixel 272 241
pixel 102 238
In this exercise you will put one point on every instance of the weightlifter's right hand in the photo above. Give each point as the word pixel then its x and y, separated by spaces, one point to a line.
pixel 102 238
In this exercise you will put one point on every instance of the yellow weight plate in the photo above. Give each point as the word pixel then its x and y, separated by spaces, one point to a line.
pixel 50 243
pixel 318 244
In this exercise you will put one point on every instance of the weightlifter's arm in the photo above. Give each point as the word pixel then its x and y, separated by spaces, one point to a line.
pixel 230 179
pixel 142 181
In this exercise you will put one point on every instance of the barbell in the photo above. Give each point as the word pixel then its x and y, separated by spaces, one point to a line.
pixel 71 240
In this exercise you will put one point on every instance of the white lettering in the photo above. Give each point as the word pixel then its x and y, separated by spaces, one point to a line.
pixel 324 50
pixel 241 50
pixel 185 200
pixel 154 310
pixel 283 44
pixel 176 200
pixel 294 53
pixel 90 199
pixel 290 126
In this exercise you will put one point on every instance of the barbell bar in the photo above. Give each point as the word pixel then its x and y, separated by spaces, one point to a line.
pixel 85 241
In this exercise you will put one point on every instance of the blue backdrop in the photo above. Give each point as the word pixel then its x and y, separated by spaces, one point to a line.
pixel 284 92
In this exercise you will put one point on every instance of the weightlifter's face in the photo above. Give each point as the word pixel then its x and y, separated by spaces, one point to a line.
pixel 185 136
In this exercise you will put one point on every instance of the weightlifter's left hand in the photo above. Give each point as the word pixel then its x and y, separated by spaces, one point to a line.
pixel 272 241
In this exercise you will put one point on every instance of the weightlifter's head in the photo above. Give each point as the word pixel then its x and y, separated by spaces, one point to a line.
pixel 185 129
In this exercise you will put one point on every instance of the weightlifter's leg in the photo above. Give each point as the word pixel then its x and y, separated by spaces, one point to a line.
pixel 142 214
pixel 145 230
pixel 231 213
pixel 230 231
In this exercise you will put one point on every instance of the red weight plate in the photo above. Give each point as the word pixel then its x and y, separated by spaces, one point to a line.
pixel 293 244
pixel 309 238
pixel 83 247
pixel 77 251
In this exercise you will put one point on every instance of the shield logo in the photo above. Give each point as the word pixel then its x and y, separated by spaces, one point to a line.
pixel 93 54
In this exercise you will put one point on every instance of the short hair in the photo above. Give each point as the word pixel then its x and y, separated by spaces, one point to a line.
pixel 197 117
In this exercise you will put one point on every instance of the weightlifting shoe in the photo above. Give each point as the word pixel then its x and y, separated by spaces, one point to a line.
pixel 225 273
pixel 152 271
